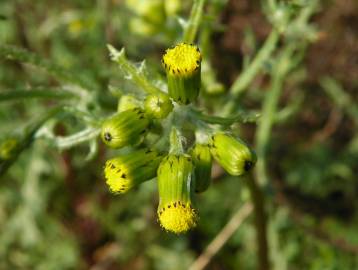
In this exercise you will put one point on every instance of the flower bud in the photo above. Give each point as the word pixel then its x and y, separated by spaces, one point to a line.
pixel 202 161
pixel 124 128
pixel 183 65
pixel 126 171
pixel 127 102
pixel 232 154
pixel 175 180
pixel 158 106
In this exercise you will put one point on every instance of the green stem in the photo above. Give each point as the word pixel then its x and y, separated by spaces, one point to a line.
pixel 269 108
pixel 176 146
pixel 260 223
pixel 16 95
pixel 129 68
pixel 265 125
pixel 243 117
pixel 77 138
pixel 196 14
pixel 243 81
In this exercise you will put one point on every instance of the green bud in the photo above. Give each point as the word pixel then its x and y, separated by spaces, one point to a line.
pixel 232 154
pixel 126 171
pixel 127 102
pixel 125 128
pixel 203 163
pixel 175 180
pixel 183 67
pixel 158 106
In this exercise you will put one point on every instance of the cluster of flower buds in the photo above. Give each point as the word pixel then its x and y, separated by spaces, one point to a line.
pixel 180 173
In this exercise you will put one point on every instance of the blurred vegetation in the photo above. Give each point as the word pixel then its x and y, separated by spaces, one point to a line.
pixel 293 61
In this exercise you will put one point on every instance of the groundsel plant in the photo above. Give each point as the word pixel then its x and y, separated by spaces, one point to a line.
pixel 163 129
pixel 181 157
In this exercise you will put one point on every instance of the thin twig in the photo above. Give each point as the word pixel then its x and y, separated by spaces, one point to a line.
pixel 219 241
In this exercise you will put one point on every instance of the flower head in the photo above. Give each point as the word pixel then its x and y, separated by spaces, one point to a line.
pixel 175 179
pixel 232 154
pixel 124 128
pixel 126 171
pixel 182 64
pixel 182 60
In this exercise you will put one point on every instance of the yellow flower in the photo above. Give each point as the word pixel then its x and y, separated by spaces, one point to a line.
pixel 175 179
pixel 182 64
pixel 126 171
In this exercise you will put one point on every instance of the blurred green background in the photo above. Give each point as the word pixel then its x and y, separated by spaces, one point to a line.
pixel 55 209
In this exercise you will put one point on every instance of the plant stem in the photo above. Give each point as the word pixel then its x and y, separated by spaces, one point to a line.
pixel 244 117
pixel 16 95
pixel 77 138
pixel 243 81
pixel 260 223
pixel 269 109
pixel 194 21
pixel 265 126
pixel 176 146
pixel 136 76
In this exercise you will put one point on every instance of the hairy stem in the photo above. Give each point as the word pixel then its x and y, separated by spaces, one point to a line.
pixel 244 117
pixel 37 93
pixel 132 71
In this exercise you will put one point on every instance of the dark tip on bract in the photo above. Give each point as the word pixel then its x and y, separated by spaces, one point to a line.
pixel 248 165
pixel 107 136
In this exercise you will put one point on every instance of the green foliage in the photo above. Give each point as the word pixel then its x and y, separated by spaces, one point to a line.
pixel 58 85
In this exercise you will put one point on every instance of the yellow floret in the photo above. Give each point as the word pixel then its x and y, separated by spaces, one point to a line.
pixel 117 176
pixel 182 60
pixel 177 217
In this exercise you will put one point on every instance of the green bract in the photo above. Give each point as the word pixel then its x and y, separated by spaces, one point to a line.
pixel 232 154
pixel 203 162
pixel 125 128
pixel 158 106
